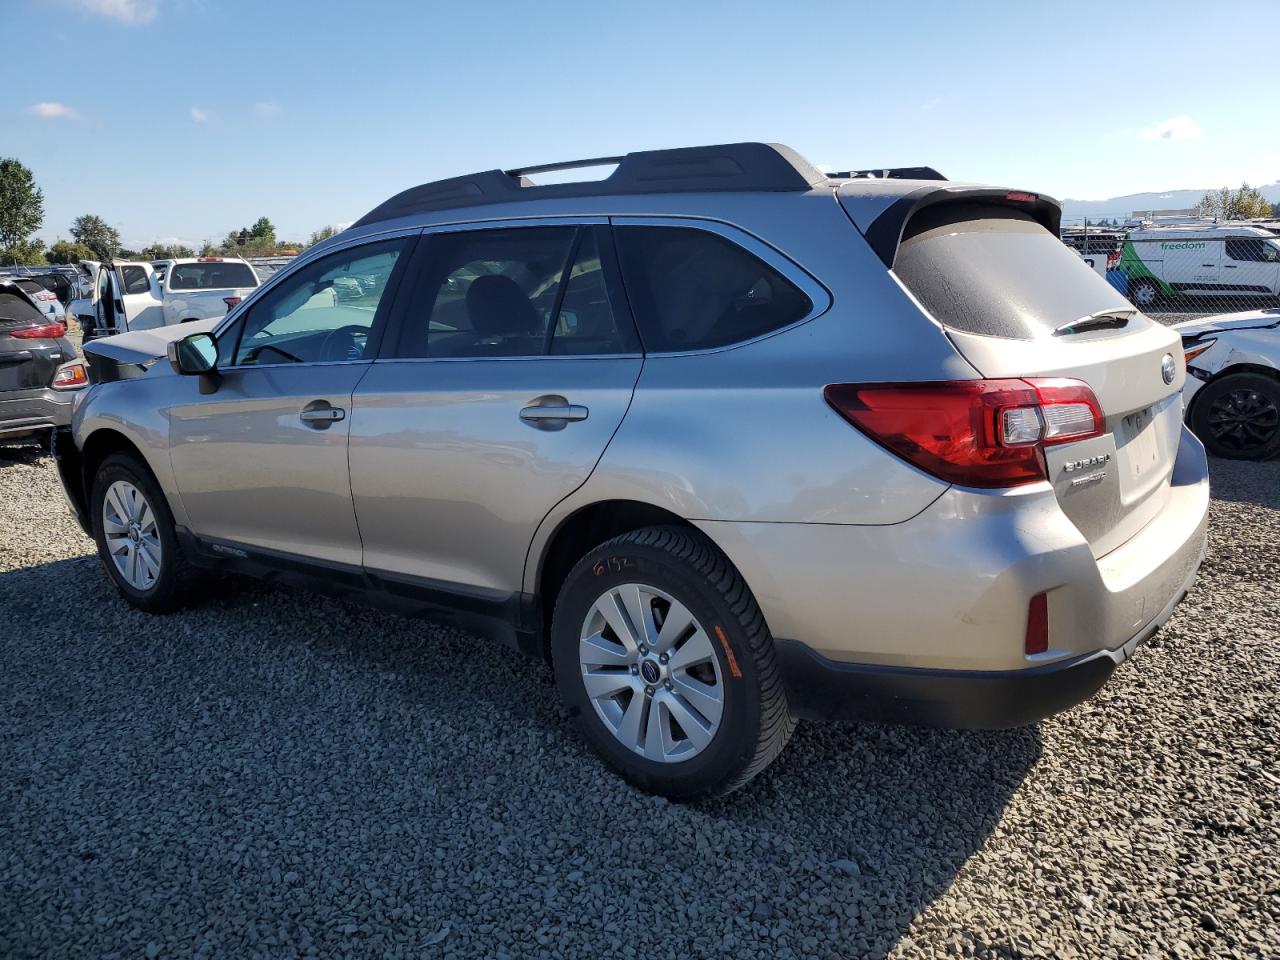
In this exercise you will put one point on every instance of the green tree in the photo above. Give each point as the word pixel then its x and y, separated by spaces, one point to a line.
pixel 97 235
pixel 1227 204
pixel 162 251
pixel 324 233
pixel 207 249
pixel 264 231
pixel 24 253
pixel 64 251
pixel 21 203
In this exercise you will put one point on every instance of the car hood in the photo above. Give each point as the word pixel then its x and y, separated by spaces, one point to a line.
pixel 1247 320
pixel 143 346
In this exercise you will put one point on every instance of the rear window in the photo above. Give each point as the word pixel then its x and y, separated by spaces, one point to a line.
pixel 210 276
pixel 692 289
pixel 997 271
pixel 14 307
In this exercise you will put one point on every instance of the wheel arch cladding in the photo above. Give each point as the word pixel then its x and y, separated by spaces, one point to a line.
pixel 98 446
pixel 584 530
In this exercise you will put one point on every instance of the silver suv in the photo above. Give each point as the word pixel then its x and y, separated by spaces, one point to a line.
pixel 729 440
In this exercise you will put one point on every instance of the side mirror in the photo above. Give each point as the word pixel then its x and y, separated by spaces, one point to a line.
pixel 194 354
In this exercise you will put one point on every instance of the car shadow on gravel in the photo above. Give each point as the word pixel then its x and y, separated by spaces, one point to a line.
pixel 1246 481
pixel 26 455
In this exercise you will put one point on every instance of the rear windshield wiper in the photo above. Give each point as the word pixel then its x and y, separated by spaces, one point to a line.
pixel 1102 320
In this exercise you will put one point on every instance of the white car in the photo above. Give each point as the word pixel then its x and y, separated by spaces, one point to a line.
pixel 143 296
pixel 1232 391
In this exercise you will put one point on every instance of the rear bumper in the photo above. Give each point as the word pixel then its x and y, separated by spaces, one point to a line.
pixel 822 689
pixel 27 412
pixel 925 620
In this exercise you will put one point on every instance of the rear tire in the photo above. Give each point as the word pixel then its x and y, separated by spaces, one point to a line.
pixel 699 708
pixel 1144 293
pixel 1237 416
pixel 136 537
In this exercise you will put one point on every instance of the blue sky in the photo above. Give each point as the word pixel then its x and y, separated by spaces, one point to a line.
pixel 187 118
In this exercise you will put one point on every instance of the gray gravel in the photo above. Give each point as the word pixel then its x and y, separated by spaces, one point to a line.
pixel 278 774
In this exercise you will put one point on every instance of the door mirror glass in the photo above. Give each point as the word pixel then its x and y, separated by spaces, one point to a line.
pixel 197 353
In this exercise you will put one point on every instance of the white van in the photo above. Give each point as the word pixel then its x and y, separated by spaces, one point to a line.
pixel 1226 259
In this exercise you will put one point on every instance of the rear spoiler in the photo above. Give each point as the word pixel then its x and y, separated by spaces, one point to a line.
pixel 884 233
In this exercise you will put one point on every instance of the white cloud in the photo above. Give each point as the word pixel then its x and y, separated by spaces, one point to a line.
pixel 1175 128
pixel 125 11
pixel 122 10
pixel 265 109
pixel 198 115
pixel 52 111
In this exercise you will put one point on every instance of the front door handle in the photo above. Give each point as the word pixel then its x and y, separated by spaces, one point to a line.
pixel 320 415
pixel 1230 266
pixel 552 412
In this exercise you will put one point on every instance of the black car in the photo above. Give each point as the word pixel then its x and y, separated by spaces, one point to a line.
pixel 33 347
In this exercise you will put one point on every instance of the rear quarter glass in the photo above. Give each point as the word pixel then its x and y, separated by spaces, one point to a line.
pixel 996 271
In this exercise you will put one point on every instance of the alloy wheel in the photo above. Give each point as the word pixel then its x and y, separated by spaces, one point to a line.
pixel 1243 420
pixel 129 528
pixel 651 673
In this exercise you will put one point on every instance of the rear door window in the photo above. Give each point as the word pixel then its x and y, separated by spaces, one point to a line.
pixel 1252 249
pixel 693 289
pixel 997 271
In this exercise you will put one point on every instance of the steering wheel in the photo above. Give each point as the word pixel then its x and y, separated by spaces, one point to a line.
pixel 332 348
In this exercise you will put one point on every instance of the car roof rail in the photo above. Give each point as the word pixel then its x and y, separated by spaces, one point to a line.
pixel 742 167
pixel 889 173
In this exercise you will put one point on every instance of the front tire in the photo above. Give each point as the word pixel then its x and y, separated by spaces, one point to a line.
pixel 1238 416
pixel 136 538
pixel 664 659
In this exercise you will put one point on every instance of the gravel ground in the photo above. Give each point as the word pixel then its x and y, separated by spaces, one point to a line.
pixel 279 774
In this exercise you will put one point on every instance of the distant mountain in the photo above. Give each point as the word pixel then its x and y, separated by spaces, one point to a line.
pixel 1121 207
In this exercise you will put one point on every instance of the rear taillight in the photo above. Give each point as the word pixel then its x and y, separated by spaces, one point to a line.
pixel 977 433
pixel 45 295
pixel 70 376
pixel 231 302
pixel 46 331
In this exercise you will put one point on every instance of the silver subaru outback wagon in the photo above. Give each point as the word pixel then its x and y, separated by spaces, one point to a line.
pixel 730 441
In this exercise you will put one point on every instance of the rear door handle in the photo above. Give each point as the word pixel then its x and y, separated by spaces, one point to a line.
pixel 1230 266
pixel 552 412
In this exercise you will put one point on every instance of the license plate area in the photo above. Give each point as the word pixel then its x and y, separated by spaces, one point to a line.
pixel 1140 450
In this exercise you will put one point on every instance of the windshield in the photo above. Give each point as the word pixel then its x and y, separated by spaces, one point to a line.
pixel 210 276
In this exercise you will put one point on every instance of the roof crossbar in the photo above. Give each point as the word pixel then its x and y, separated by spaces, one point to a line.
pixel 567 165
pixel 745 167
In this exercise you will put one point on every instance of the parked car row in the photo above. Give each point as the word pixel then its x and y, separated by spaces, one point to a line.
pixel 128 296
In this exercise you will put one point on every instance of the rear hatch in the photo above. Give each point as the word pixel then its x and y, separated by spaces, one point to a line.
pixel 30 348
pixel 1017 302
